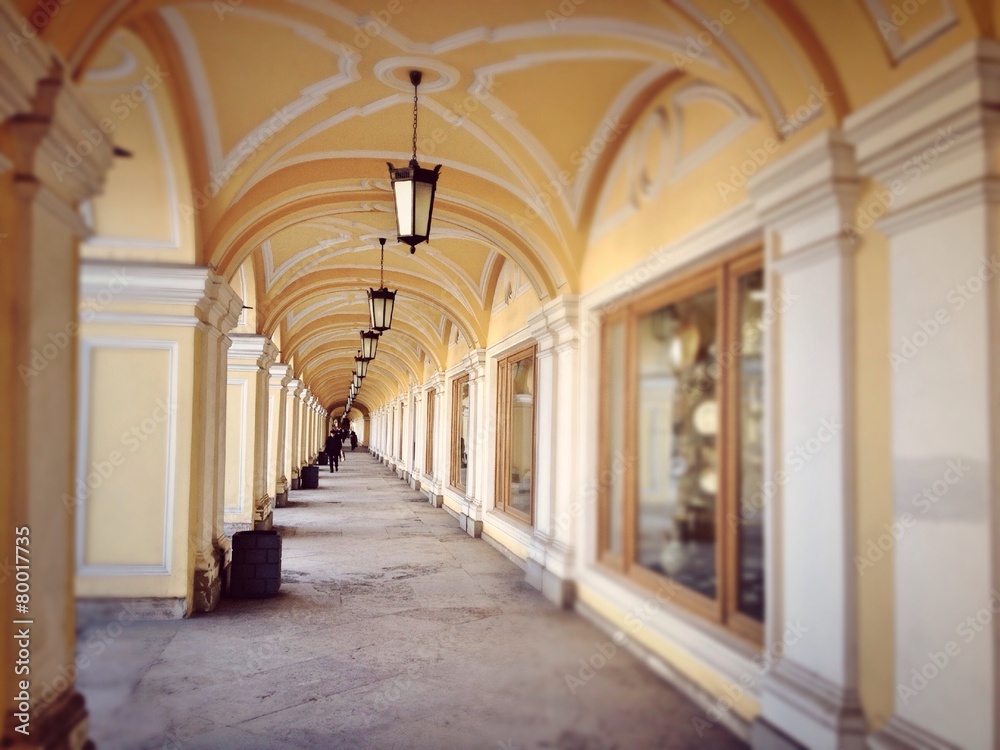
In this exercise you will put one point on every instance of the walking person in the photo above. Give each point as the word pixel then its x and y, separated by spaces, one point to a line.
pixel 334 446
pixel 354 440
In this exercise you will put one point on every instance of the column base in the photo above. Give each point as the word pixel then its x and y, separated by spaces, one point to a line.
pixel 264 524
pixel 470 525
pixel 559 591
pixel 900 734
pixel 436 501
pixel 102 610
pixel 62 725
pixel 296 482
pixel 208 584
pixel 765 736
pixel 281 500
pixel 811 710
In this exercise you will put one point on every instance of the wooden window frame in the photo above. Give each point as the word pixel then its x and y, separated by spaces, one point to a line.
pixel 456 433
pixel 502 497
pixel 429 434
pixel 723 275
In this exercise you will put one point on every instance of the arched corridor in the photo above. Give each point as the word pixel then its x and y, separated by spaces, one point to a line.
pixel 684 313
pixel 394 629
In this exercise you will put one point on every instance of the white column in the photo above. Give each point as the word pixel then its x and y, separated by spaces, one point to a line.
pixel 944 254
pixel 482 434
pixel 549 564
pixel 804 201
pixel 248 503
pixel 281 376
pixel 39 287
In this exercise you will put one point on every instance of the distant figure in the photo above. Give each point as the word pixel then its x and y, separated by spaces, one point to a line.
pixel 354 440
pixel 334 447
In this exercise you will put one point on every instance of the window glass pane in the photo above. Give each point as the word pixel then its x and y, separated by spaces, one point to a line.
pixel 678 420
pixel 522 410
pixel 429 452
pixel 614 463
pixel 463 427
pixel 750 541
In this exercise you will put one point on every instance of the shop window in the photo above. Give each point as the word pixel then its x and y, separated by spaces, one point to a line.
pixel 516 434
pixel 460 403
pixel 681 442
pixel 429 437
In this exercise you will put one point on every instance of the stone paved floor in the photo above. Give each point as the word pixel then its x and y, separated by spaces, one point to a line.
pixel 393 629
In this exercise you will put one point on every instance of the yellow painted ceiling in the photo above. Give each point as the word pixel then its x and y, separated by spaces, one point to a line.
pixel 289 109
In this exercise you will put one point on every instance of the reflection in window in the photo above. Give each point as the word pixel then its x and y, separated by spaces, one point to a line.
pixel 750 542
pixel 429 437
pixel 463 433
pixel 515 452
pixel 678 419
pixel 458 473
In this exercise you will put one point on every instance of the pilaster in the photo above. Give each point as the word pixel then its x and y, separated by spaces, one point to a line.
pixel 482 430
pixel 43 115
pixel 931 144
pixel 805 201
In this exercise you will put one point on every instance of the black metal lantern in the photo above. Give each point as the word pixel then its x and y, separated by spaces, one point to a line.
pixel 381 301
pixel 361 365
pixel 369 344
pixel 413 189
pixel 357 382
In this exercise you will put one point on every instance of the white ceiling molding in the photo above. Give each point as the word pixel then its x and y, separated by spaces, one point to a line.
pixel 742 119
pixel 744 62
pixel 881 15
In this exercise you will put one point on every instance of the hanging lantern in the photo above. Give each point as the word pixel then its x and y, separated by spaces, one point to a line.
pixel 413 189
pixel 381 301
pixel 369 344
pixel 361 365
pixel 357 382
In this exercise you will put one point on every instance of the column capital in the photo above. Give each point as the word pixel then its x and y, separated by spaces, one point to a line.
pixel 810 194
pixel 253 348
pixel 930 141
pixel 293 385
pixel 22 65
pixel 475 364
pixel 281 375
pixel 556 324
pixel 54 148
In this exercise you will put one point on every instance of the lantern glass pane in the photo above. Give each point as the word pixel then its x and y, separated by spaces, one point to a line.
pixel 422 209
pixel 403 190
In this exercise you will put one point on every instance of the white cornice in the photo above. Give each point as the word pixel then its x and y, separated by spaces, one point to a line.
pixel 21 65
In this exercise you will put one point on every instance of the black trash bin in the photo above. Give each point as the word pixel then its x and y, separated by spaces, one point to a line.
pixel 256 569
pixel 323 459
pixel 310 478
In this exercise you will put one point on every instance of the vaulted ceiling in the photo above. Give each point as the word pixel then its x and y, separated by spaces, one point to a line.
pixel 285 111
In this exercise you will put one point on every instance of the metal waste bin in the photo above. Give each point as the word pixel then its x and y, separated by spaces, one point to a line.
pixel 256 568
pixel 310 478
pixel 323 459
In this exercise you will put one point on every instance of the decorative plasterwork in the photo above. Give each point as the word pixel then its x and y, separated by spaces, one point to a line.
pixel 886 18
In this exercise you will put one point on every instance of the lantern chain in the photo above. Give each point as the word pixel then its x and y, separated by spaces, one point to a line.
pixel 414 123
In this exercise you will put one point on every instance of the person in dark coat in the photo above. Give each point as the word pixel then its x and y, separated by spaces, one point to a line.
pixel 354 440
pixel 334 445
